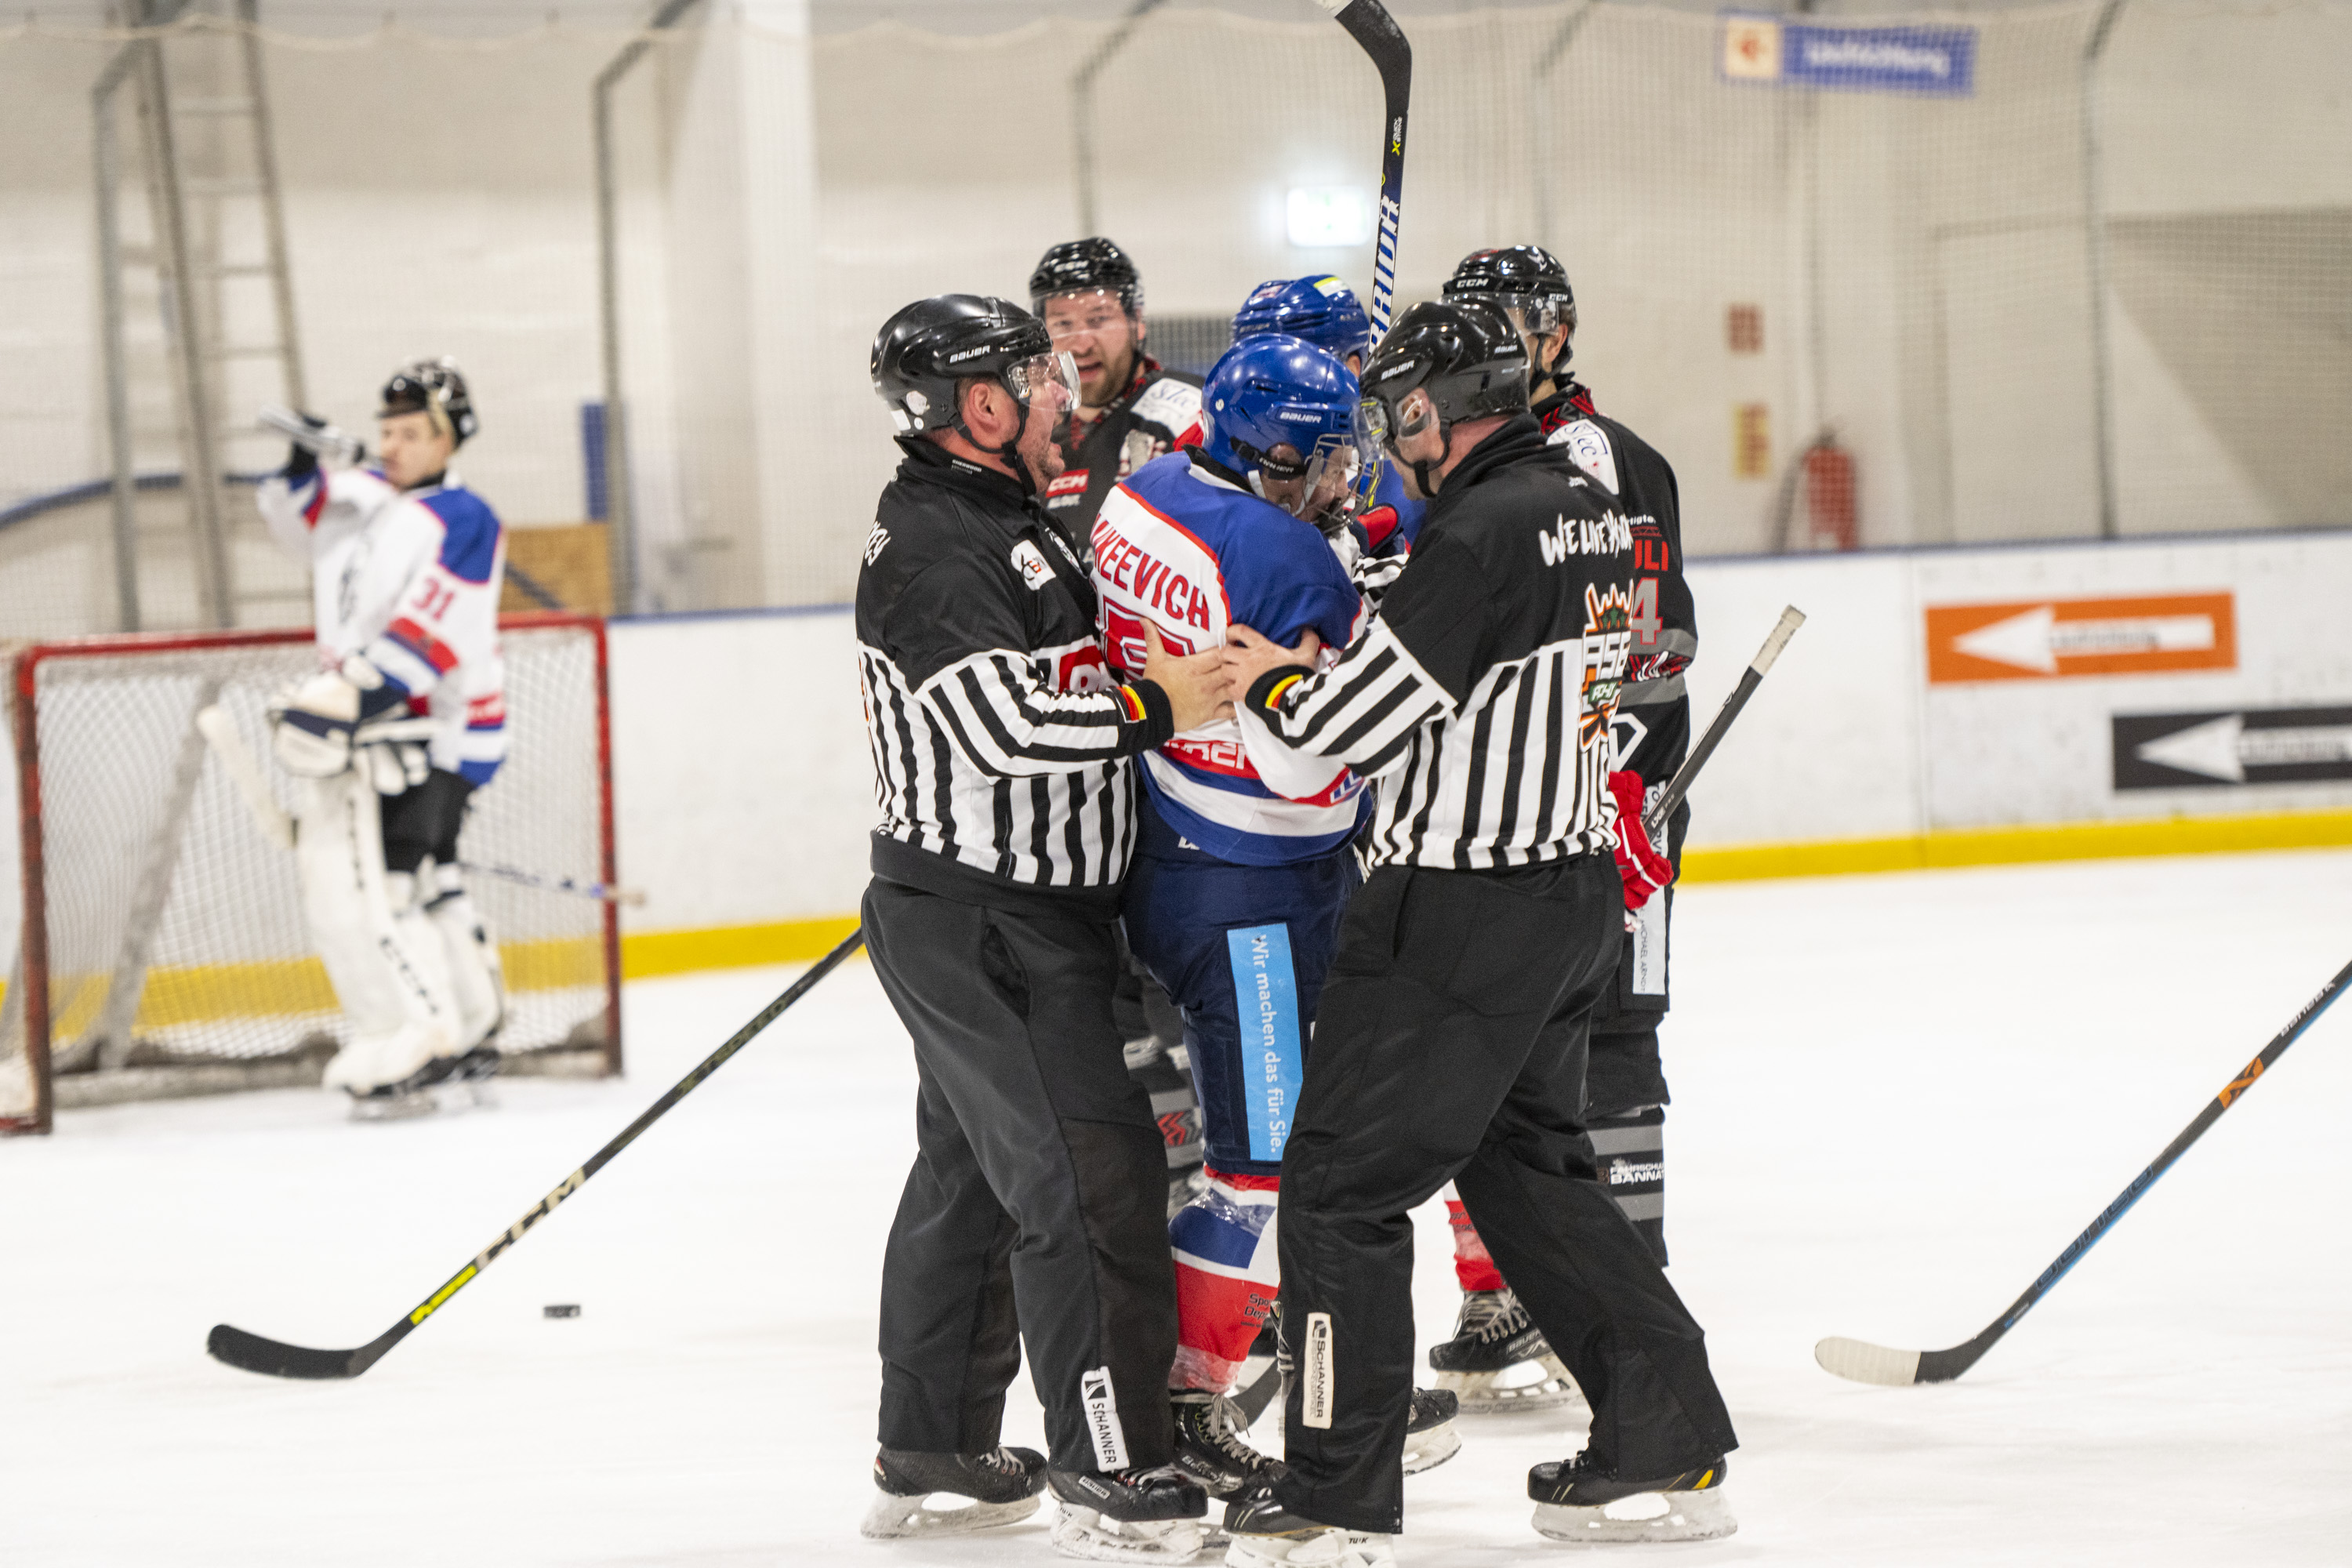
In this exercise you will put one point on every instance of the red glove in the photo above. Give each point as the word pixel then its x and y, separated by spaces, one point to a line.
pixel 1638 861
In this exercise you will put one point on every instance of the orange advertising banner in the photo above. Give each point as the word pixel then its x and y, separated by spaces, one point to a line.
pixel 2040 639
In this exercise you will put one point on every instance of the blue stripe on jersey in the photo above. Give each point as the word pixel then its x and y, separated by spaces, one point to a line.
pixel 479 773
pixel 1266 993
pixel 1243 847
pixel 1213 1235
pixel 469 542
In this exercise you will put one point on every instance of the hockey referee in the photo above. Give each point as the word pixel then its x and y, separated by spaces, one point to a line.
pixel 1001 759
pixel 1482 700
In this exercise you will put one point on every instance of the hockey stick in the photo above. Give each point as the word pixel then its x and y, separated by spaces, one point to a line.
pixel 1655 820
pixel 1867 1363
pixel 251 1352
pixel 220 733
pixel 1376 33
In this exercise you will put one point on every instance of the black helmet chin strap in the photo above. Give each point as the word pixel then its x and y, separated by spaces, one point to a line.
pixel 1010 452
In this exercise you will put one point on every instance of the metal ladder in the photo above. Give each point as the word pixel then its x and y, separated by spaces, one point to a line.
pixel 204 156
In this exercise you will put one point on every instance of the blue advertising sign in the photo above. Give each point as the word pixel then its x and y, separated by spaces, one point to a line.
pixel 1940 62
pixel 1265 993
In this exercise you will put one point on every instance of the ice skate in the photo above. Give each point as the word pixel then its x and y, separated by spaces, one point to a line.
pixel 1430 1437
pixel 1212 1444
pixel 952 1494
pixel 405 1098
pixel 1128 1516
pixel 1581 1502
pixel 1498 1360
pixel 1261 1533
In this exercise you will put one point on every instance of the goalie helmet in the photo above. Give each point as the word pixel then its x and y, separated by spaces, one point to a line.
pixel 1272 391
pixel 1081 266
pixel 1530 286
pixel 436 388
pixel 1322 310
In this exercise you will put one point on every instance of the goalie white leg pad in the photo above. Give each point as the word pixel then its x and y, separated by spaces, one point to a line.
pixel 1644 1517
pixel 387 967
pixel 476 978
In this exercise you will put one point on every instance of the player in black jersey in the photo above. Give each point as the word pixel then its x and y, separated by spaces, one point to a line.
pixel 1129 410
pixel 1626 1093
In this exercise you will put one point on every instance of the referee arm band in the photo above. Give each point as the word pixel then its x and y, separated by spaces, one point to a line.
pixel 1265 693
pixel 1145 703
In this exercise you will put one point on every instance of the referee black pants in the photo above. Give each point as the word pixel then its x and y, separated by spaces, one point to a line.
pixel 1433 1061
pixel 1036 1210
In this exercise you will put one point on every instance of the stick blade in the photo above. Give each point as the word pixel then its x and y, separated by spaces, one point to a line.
pixel 1863 1362
pixel 251 1352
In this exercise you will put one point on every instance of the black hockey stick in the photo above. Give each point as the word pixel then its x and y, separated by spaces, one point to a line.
pixel 251 1352
pixel 1375 32
pixel 1867 1363
pixel 1654 818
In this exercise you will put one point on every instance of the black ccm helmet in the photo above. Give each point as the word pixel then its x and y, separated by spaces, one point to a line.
pixel 1078 265
pixel 1530 284
pixel 923 352
pixel 1467 357
pixel 436 388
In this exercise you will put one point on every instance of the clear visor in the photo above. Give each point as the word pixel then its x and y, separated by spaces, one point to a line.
pixel 1533 316
pixel 1054 374
pixel 1326 476
pixel 1371 425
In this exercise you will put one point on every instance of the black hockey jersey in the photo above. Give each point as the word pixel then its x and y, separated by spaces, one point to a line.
pixel 1159 412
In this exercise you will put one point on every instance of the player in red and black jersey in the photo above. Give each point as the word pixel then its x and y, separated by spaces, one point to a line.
pixel 1131 410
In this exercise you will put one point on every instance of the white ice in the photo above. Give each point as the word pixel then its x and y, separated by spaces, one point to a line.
pixel 1896 1099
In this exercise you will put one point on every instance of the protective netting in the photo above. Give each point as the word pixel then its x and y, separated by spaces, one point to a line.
pixel 2103 289
pixel 174 930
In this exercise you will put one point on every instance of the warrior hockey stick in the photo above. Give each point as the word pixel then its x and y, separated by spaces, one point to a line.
pixel 1655 820
pixel 219 731
pixel 251 1352
pixel 1377 34
pixel 1867 1363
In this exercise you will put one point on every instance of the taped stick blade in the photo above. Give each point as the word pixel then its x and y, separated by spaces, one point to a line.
pixel 1866 1363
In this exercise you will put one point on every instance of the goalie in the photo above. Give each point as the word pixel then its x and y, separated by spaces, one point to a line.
pixel 403 721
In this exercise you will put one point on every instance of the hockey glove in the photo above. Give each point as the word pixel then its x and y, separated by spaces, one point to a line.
pixel 1643 869
pixel 311 726
pixel 301 458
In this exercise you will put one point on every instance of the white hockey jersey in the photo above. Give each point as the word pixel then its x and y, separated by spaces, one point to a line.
pixel 410 583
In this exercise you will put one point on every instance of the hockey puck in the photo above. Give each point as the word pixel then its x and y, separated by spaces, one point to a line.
pixel 562 1310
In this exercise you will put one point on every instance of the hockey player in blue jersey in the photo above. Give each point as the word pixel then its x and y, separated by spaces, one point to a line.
pixel 1240 873
pixel 1326 313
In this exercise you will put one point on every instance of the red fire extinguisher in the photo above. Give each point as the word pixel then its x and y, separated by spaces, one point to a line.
pixel 1830 508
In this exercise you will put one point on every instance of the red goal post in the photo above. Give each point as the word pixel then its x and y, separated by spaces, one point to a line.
pixel 164 950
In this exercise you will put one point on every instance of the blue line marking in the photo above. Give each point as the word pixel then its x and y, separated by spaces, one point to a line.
pixel 1266 995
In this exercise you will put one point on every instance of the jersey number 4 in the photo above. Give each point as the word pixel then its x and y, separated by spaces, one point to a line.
pixel 1647 624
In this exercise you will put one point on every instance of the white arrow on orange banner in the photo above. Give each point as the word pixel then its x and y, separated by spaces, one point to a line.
pixel 2038 640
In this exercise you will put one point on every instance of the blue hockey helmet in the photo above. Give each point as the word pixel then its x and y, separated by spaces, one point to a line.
pixel 1273 391
pixel 1321 310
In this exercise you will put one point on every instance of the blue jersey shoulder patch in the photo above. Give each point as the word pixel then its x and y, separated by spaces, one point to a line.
pixel 469 542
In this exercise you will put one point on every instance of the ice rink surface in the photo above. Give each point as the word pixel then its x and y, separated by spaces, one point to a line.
pixel 1896 1099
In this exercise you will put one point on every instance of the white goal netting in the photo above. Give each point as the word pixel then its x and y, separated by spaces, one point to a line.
pixel 164 949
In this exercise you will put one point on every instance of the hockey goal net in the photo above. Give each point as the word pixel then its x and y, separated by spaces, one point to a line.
pixel 163 949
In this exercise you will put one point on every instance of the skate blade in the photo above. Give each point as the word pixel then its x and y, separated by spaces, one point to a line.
pixel 1427 1451
pixel 1644 1517
pixel 891 1518
pixel 1481 1393
pixel 1083 1532
pixel 398 1108
pixel 458 1096
pixel 1324 1548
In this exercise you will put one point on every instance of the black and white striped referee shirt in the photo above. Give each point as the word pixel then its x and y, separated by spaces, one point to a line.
pixel 1481 698
pixel 1001 746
